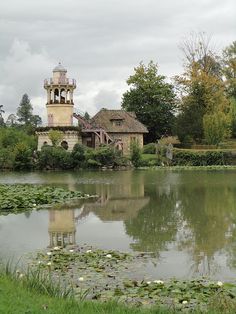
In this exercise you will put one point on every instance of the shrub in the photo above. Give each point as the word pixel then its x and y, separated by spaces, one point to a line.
pixel 78 155
pixel 207 158
pixel 54 158
pixel 6 158
pixel 102 156
pixel 149 148
pixel 216 127
pixel 135 154
pixel 22 157
pixel 55 136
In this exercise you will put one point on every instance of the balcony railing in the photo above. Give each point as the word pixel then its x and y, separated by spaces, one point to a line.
pixel 66 81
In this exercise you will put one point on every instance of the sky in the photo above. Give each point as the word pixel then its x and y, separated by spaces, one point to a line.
pixel 99 42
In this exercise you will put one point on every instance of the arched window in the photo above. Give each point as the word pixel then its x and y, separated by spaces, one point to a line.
pixel 64 144
pixel 63 96
pixel 56 96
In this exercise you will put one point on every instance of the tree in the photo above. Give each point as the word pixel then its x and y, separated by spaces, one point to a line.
pixel 86 116
pixel 11 120
pixel 202 91
pixel 216 127
pixel 36 120
pixel 55 136
pixel 152 99
pixel 25 110
pixel 1 117
pixel 229 69
pixel 135 154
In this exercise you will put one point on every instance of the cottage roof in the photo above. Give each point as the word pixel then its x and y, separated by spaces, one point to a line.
pixel 106 119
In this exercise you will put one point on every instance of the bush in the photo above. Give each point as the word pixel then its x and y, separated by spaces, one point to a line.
pixel 22 157
pixel 6 158
pixel 78 155
pixel 193 158
pixel 135 154
pixel 149 148
pixel 103 156
pixel 54 158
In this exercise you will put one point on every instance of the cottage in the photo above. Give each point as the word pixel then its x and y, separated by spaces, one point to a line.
pixel 122 127
pixel 117 128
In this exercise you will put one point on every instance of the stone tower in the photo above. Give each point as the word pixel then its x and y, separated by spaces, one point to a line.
pixel 60 105
pixel 60 110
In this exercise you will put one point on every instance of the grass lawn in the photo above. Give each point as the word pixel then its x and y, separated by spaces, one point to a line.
pixel 16 299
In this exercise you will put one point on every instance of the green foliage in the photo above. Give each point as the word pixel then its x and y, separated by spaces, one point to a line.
pixel 54 158
pixel 198 158
pixel 149 148
pixel 152 99
pixel 55 136
pixel 202 92
pixel 23 157
pixel 25 110
pixel 6 158
pixel 16 148
pixel 103 156
pixel 59 128
pixel 229 69
pixel 11 136
pixel 78 155
pixel 21 197
pixel 135 154
pixel 216 127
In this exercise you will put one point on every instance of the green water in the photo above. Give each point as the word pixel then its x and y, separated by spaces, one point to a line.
pixel 186 218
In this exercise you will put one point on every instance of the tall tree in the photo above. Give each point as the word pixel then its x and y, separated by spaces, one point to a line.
pixel 152 99
pixel 229 69
pixel 25 110
pixel 202 92
pixel 1 117
pixel 36 120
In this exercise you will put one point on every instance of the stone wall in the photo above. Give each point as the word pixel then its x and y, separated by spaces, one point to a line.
pixel 71 137
pixel 127 139
pixel 61 114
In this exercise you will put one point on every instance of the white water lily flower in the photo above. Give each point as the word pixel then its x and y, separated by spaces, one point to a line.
pixel 71 251
pixel 89 251
pixel 149 282
pixel 39 262
pixel 49 253
pixel 21 275
pixel 159 282
pixel 109 255
pixel 49 263
pixel 184 302
pixel 56 248
pixel 81 279
pixel 34 205
pixel 219 283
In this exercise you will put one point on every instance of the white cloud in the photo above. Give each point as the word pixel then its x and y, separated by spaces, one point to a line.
pixel 99 42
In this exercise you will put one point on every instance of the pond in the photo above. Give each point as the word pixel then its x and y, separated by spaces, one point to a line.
pixel 187 219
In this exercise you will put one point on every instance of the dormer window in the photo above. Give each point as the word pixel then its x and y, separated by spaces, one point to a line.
pixel 117 122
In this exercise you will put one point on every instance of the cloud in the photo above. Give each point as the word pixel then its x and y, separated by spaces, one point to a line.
pixel 99 42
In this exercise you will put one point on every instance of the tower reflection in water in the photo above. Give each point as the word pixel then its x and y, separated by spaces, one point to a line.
pixel 61 227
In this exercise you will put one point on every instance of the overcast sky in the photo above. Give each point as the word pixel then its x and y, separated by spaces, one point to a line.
pixel 99 42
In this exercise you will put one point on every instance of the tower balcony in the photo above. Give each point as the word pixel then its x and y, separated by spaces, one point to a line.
pixel 50 82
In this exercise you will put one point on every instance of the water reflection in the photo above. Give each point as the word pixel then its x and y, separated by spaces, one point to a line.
pixel 188 219
pixel 61 227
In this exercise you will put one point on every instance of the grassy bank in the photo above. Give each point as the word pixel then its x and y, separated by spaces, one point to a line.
pixel 17 298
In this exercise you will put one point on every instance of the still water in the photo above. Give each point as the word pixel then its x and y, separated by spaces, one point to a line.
pixel 186 218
